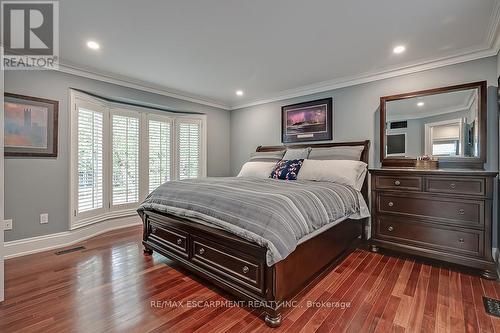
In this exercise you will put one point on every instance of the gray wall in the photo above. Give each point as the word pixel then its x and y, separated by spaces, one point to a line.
pixel 2 289
pixel 35 186
pixel 414 133
pixel 356 110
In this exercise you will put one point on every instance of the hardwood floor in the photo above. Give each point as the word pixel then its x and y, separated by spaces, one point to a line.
pixel 112 286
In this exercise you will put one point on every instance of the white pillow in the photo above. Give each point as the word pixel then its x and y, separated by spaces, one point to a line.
pixel 257 169
pixel 345 172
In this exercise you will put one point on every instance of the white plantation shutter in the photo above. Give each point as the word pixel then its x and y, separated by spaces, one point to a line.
pixel 159 152
pixel 119 154
pixel 189 149
pixel 90 160
pixel 125 159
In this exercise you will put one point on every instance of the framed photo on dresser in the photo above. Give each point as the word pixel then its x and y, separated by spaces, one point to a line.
pixel 308 121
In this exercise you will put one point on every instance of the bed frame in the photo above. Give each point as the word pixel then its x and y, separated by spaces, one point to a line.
pixel 239 266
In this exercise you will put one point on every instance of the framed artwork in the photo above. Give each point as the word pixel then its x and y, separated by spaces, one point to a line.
pixel 309 121
pixel 30 126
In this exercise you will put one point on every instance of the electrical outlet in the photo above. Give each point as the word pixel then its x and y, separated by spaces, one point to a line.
pixel 44 218
pixel 7 225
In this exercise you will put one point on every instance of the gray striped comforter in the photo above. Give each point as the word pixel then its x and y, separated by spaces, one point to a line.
pixel 272 213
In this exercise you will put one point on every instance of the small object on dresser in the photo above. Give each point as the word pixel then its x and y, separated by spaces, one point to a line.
pixel 426 162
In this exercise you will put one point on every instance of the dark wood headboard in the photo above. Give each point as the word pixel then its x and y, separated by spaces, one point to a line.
pixel 363 157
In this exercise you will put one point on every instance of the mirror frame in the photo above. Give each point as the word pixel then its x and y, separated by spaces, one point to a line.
pixel 444 162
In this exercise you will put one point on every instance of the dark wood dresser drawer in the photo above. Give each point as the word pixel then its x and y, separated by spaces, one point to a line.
pixel 447 210
pixel 226 262
pixel 467 241
pixel 447 216
pixel 460 186
pixel 398 183
pixel 172 238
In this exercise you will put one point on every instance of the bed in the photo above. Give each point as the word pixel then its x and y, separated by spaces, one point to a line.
pixel 249 268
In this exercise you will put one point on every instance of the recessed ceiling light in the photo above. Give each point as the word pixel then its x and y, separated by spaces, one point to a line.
pixel 93 45
pixel 239 92
pixel 399 49
pixel 420 104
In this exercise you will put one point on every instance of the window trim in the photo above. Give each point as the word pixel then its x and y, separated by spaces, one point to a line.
pixel 85 218
pixel 144 114
pixel 428 128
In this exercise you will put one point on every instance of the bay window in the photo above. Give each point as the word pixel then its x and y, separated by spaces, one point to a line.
pixel 120 153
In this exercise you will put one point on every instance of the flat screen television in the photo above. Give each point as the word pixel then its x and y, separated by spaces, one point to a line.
pixel 396 144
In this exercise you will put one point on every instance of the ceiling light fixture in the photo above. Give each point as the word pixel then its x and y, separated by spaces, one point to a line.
pixel 420 104
pixel 239 92
pixel 93 45
pixel 399 49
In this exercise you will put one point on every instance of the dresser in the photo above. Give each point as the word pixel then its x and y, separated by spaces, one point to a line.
pixel 439 214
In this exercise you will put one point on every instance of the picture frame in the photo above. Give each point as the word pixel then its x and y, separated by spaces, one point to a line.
pixel 31 126
pixel 307 121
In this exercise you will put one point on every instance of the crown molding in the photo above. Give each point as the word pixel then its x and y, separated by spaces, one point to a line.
pixel 136 84
pixel 371 77
pixel 493 35
pixel 399 117
pixel 423 114
pixel 489 48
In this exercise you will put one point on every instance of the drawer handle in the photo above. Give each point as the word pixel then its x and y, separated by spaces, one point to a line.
pixel 461 211
pixel 397 183
pixel 390 228
pixel 153 230
pixel 461 240
pixel 201 251
pixel 245 269
pixel 453 186
pixel 179 241
pixel 391 203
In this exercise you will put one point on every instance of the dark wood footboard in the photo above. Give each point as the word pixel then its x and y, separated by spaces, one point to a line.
pixel 239 266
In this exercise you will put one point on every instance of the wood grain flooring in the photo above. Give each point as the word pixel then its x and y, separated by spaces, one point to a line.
pixel 112 287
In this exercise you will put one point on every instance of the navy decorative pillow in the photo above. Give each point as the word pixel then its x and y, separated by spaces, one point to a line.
pixel 286 169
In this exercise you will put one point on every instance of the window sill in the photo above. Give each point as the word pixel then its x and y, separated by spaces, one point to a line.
pixel 102 218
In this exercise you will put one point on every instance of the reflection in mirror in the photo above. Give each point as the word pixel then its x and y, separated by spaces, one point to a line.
pixel 440 125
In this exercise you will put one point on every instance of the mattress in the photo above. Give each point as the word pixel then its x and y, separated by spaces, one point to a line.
pixel 275 214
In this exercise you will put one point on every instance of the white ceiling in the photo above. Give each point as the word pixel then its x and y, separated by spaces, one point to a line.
pixel 437 104
pixel 208 49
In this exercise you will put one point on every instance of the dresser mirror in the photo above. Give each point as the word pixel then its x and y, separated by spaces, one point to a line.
pixel 447 124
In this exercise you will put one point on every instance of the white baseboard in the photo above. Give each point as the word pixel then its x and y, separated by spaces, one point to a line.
pixel 37 244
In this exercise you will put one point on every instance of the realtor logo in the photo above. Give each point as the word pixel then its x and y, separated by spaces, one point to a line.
pixel 30 34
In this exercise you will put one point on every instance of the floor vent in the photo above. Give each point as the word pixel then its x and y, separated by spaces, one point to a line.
pixel 73 249
pixel 492 306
